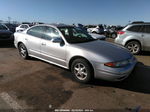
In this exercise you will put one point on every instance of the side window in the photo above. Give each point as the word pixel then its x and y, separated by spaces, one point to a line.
pixel 147 28
pixel 36 31
pixel 2 27
pixel 23 26
pixel 136 28
pixel 51 33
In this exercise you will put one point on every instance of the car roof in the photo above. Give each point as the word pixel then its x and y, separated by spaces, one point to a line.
pixel 55 25
pixel 61 25
pixel 144 23
pixel 24 24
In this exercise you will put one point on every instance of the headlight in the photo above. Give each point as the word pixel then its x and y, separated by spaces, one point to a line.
pixel 117 64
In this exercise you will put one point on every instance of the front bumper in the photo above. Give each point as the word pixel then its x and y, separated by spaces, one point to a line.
pixel 115 74
pixel 111 76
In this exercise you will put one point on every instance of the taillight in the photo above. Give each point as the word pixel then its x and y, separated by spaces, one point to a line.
pixel 120 32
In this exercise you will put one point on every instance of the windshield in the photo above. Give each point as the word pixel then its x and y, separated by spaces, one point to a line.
pixel 75 35
pixel 3 27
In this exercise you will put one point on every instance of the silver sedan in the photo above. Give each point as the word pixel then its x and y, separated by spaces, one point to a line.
pixel 72 48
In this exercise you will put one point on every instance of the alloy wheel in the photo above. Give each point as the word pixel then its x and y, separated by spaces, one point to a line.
pixel 133 48
pixel 23 51
pixel 80 71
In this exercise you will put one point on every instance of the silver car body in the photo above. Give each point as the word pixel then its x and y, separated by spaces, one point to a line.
pixel 96 52
pixel 142 37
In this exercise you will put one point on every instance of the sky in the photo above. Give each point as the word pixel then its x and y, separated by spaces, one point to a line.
pixel 115 12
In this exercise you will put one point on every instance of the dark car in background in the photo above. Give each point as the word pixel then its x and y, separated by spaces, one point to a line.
pixel 5 33
pixel 111 31
pixel 12 27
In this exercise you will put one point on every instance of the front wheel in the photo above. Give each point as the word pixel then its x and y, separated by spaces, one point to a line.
pixel 23 51
pixel 134 47
pixel 82 70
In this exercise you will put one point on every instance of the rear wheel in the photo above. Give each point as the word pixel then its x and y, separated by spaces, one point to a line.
pixel 134 47
pixel 82 70
pixel 23 51
pixel 113 35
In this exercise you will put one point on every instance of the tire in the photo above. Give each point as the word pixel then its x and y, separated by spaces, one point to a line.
pixel 23 51
pixel 82 71
pixel 134 47
pixel 106 34
pixel 113 35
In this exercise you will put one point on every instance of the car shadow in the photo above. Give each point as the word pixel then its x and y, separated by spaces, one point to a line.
pixel 138 81
pixel 145 53
pixel 7 44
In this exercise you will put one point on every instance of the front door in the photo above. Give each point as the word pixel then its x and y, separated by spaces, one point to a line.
pixel 51 51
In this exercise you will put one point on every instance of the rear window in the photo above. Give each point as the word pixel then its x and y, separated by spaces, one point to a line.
pixel 36 31
pixel 137 28
pixel 24 26
pixel 147 29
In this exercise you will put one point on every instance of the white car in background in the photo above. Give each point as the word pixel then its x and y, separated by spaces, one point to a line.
pixel 94 35
pixel 98 36
pixel 98 30
pixel 22 27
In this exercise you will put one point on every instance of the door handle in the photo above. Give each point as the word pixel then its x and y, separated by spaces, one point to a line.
pixel 142 35
pixel 44 44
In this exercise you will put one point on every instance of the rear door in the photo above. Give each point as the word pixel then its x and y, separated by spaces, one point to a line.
pixel 146 37
pixel 33 40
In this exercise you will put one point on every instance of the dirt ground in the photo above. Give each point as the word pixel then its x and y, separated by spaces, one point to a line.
pixel 38 86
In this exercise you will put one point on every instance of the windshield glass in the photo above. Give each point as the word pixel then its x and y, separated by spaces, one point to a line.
pixel 75 35
pixel 2 27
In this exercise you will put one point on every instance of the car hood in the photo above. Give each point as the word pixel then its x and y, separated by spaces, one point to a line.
pixel 106 50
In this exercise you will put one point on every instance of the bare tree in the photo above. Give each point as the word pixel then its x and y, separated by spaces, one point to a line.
pixel 9 19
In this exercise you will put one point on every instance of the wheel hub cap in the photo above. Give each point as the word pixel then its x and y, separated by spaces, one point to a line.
pixel 22 51
pixel 133 48
pixel 80 71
